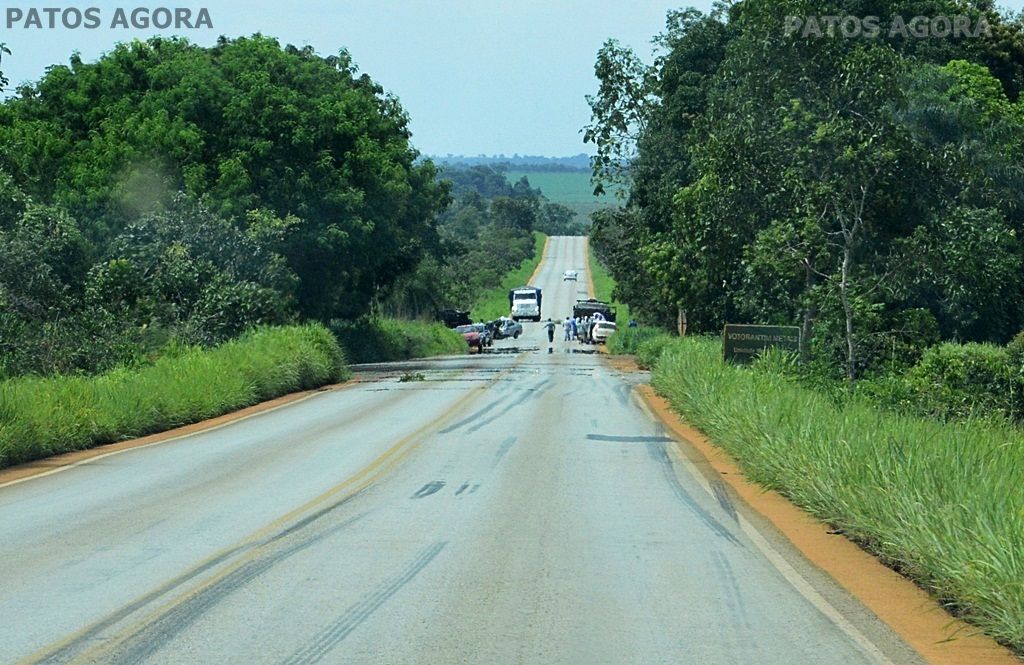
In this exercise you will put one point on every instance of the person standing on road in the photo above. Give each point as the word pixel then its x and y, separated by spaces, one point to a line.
pixel 575 325
pixel 567 329
pixel 550 325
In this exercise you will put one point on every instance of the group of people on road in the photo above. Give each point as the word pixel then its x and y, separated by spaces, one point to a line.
pixel 575 328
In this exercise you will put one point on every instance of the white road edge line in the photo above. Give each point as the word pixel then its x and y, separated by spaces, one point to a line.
pixel 778 561
pixel 90 460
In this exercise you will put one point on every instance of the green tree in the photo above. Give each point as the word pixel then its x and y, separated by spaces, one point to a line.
pixel 244 125
pixel 3 51
pixel 189 270
pixel 820 181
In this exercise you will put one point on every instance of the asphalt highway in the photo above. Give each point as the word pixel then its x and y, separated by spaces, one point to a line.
pixel 518 506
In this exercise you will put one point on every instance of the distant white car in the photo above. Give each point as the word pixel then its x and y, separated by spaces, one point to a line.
pixel 569 274
pixel 602 330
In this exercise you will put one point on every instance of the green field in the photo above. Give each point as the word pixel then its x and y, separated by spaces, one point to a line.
pixel 572 189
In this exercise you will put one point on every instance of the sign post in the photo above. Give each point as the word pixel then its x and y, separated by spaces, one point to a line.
pixel 742 343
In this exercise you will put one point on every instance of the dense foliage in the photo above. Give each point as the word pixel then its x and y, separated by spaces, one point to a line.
pixel 247 128
pixel 169 191
pixel 867 190
pixel 384 340
pixel 173 194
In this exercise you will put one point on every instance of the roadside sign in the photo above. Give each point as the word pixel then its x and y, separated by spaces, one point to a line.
pixel 743 343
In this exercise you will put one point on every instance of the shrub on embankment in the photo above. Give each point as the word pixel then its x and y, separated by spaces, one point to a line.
pixel 957 381
pixel 385 340
pixel 42 416
pixel 941 503
pixel 645 343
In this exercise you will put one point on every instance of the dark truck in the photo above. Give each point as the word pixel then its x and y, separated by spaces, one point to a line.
pixel 453 318
pixel 589 307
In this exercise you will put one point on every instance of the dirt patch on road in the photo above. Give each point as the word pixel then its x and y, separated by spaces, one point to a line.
pixel 937 636
pixel 622 363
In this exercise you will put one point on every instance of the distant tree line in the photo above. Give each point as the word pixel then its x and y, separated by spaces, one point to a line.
pixel 870 191
pixel 486 232
pixel 574 163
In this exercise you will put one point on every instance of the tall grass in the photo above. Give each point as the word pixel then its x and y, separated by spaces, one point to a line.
pixel 941 503
pixel 494 302
pixel 47 416
pixel 645 343
pixel 385 340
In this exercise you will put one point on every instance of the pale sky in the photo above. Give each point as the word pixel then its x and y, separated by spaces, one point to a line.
pixel 476 76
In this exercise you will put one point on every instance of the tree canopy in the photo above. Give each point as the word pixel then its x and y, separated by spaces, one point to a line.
pixel 868 190
pixel 245 126
pixel 173 192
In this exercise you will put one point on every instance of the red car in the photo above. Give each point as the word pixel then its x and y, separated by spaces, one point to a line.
pixel 473 338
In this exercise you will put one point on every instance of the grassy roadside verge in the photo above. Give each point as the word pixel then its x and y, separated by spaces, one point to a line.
pixel 604 285
pixel 47 416
pixel 940 503
pixel 494 302
pixel 644 343
pixel 387 340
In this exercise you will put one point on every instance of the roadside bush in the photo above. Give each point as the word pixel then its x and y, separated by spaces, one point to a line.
pixel 954 381
pixel 774 360
pixel 647 344
pixel 941 503
pixel 627 340
pixel 650 350
pixel 1015 356
pixel 47 416
pixel 369 340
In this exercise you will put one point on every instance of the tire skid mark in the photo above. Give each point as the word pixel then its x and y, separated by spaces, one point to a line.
pixel 722 496
pixel 473 416
pixel 97 648
pixel 433 487
pixel 659 453
pixel 734 601
pixel 357 614
pixel 503 449
pixel 535 391
pixel 623 392
pixel 67 652
pixel 157 632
